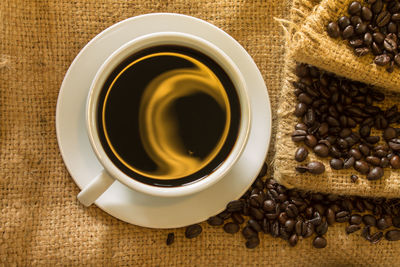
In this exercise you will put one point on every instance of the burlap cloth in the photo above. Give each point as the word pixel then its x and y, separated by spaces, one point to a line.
pixel 41 222
pixel 305 49
pixel 313 45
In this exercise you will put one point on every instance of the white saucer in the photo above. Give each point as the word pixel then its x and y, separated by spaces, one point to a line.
pixel 119 200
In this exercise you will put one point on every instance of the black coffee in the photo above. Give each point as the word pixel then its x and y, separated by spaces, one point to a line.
pixel 168 115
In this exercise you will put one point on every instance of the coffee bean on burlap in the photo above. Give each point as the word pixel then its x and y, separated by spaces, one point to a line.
pixel 170 239
pixel 320 242
pixel 215 221
pixel 253 242
pixel 352 228
pixel 393 235
pixel 301 154
pixel 376 237
pixel 193 231
pixel 231 228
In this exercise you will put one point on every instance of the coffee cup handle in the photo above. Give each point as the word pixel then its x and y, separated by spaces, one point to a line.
pixel 95 188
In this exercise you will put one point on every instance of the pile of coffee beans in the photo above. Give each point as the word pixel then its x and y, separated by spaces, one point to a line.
pixel 269 208
pixel 371 28
pixel 337 121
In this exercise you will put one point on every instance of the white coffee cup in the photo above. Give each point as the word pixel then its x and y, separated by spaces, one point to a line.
pixel 111 173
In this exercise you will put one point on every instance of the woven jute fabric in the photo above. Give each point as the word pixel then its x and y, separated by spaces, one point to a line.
pixel 331 181
pixel 41 222
pixel 313 45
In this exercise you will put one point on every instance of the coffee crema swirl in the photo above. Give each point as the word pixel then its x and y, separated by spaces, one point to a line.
pixel 168 116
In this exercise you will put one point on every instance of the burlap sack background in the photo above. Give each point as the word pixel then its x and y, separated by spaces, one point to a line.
pixel 331 181
pixel 313 45
pixel 41 222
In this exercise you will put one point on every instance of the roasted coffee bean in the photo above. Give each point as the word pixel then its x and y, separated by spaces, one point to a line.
pixel 393 6
pixel 301 154
pixel 396 221
pixel 348 163
pixel 269 205
pixel 382 60
pixel 342 216
pixel 361 166
pixel 237 218
pixel 225 214
pixel 315 167
pixel 256 213
pixel 336 164
pixel 343 22
pixel 364 149
pixel 395 162
pixel 393 235
pixel 354 152
pixel 392 27
pixel 322 228
pixel 352 228
pixel 275 229
pixel 366 13
pixel 301 109
pixel 304 98
pixel 383 18
pixel 282 218
pixel 378 37
pixel 330 216
pixel 375 49
pixel 354 178
pixel 254 225
pixel 170 239
pixel 354 8
pixel 215 221
pixel 290 225
pixel 333 30
pixel 301 126
pixel 369 220
pixel 382 224
pixel 310 141
pixel 375 173
pixel 396 17
pixel 231 228
pixel 384 162
pixel 252 242
pixel 375 238
pixel 394 144
pixel 365 131
pixel 193 231
pixel 316 220
pixel 355 20
pixel 377 6
pixel 292 211
pixel 293 240
pixel 367 40
pixel 300 228
pixel 361 28
pixel 345 132
pixel 309 230
pixel 348 32
pixel 248 232
pixel 373 160
pixel 266 226
pixel 366 232
pixel 302 70
pixel 321 150
pixel 389 44
pixel 235 205
pixel 319 242
pixel 309 117
pixel 389 133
